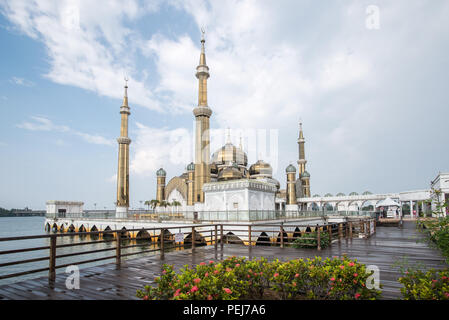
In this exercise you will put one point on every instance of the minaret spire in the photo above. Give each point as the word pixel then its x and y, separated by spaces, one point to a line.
pixel 302 157
pixel 202 135
pixel 123 159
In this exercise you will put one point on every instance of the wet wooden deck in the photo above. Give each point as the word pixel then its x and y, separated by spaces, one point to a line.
pixel 387 246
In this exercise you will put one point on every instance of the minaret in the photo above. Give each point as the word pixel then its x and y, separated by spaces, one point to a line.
pixel 202 136
pixel 123 160
pixel 302 156
pixel 291 189
pixel 160 191
pixel 190 184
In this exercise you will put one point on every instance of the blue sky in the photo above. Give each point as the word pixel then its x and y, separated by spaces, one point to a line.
pixel 374 102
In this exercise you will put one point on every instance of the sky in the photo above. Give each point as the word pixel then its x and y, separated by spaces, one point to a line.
pixel 368 80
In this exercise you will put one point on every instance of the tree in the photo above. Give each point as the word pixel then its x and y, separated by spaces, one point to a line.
pixel 176 204
pixel 147 203
pixel 154 203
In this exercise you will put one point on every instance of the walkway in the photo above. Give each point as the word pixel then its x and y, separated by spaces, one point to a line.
pixel 383 249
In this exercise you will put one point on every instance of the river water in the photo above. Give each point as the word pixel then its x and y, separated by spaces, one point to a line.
pixel 27 226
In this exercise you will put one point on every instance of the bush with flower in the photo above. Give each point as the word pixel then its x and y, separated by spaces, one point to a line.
pixel 238 278
pixel 429 285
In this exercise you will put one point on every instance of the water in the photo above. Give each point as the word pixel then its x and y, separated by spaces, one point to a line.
pixel 27 226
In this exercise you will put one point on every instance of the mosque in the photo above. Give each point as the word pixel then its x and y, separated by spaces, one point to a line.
pixel 225 181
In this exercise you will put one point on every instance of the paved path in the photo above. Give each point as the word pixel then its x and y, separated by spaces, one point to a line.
pixel 388 245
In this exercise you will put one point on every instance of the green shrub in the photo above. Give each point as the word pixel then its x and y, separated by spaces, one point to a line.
pixel 430 285
pixel 310 240
pixel 437 232
pixel 237 278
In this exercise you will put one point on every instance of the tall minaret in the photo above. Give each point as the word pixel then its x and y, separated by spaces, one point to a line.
pixel 302 156
pixel 123 160
pixel 202 136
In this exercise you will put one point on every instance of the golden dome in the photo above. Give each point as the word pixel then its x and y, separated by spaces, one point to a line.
pixel 230 154
pixel 261 168
pixel 230 173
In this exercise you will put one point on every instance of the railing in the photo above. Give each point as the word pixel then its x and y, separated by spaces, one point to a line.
pixel 226 216
pixel 176 237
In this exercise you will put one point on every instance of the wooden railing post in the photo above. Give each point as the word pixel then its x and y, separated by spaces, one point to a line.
pixel 52 260
pixel 221 237
pixel 350 230
pixel 216 237
pixel 340 232
pixel 249 236
pixel 374 221
pixel 318 237
pixel 118 248
pixel 193 238
pixel 282 236
pixel 162 241
pixel 362 227
pixel 329 229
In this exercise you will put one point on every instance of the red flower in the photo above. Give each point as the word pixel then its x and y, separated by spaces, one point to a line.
pixel 227 290
pixel 294 284
pixel 209 297
pixel 164 272
pixel 237 265
pixel 351 264
pixel 357 295
pixel 211 262
pixel 342 267
pixel 216 271
pixel 332 279
pixel 177 293
pixel 297 275
pixel 206 274
pixel 194 288
pixel 202 263
pixel 145 298
pixel 248 276
pixel 355 275
pixel 276 275
pixel 197 280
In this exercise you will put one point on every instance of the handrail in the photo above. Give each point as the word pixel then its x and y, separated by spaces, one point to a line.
pixel 215 234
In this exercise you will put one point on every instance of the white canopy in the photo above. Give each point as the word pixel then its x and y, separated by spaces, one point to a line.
pixel 388 202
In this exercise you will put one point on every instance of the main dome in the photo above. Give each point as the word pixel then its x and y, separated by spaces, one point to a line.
pixel 230 154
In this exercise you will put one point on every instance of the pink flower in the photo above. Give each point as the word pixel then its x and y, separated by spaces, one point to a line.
pixel 237 265
pixel 228 269
pixel 294 284
pixel 211 262
pixel 177 292
pixel 446 294
pixel 351 264
pixel 194 288
pixel 297 275
pixel 209 297
pixel 227 290
pixel 164 272
pixel 186 285
pixel 216 271
pixel 332 279
pixel 434 280
pixel 357 295
pixel 355 274
pixel 276 275
pixel 202 263
pixel 197 280
pixel 206 274
pixel 261 273
pixel 145 298
pixel 248 276
pixel 342 267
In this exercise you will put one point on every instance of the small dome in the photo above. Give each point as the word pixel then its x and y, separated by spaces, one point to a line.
pixel 316 196
pixel 367 193
pixel 328 195
pixel 353 194
pixel 305 174
pixel 191 166
pixel 290 169
pixel 213 168
pixel 230 173
pixel 262 168
pixel 230 153
pixel 161 173
pixel 340 194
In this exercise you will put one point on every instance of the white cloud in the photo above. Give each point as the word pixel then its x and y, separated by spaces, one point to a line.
pixel 45 124
pixel 21 82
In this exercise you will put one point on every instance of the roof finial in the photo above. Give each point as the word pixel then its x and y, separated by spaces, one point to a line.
pixel 125 97
pixel 241 145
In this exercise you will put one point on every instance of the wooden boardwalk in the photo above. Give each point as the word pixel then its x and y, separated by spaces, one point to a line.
pixel 387 246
